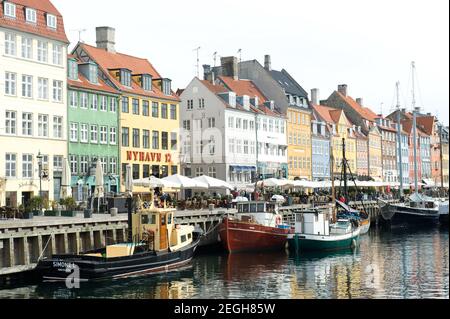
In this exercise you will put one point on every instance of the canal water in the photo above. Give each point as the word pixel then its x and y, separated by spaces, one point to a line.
pixel 395 263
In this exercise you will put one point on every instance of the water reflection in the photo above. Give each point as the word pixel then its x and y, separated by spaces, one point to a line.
pixel 392 263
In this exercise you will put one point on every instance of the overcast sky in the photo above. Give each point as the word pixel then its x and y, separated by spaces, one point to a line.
pixel 368 45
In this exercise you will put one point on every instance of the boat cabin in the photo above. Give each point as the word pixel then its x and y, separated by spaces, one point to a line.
pixel 313 222
pixel 263 213
pixel 422 201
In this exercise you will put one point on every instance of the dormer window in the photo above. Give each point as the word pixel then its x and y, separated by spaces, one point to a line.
pixel 30 15
pixel 147 82
pixel 93 73
pixel 166 86
pixel 125 77
pixel 51 21
pixel 73 70
pixel 9 9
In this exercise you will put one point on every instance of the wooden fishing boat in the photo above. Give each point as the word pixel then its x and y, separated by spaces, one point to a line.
pixel 156 244
pixel 257 226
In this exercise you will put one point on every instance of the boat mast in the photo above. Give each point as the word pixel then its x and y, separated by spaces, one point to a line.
pixel 344 164
pixel 399 138
pixel 333 190
pixel 413 66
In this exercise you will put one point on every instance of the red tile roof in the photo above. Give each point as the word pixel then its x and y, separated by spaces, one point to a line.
pixel 364 112
pixel 83 83
pixel 426 123
pixel 243 87
pixel 110 61
pixel 40 27
pixel 213 87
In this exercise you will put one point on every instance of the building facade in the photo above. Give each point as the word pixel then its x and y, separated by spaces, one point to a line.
pixel 93 128
pixel 148 109
pixel 375 154
pixel 444 132
pixel 320 139
pixel 389 149
pixel 362 154
pixel 33 92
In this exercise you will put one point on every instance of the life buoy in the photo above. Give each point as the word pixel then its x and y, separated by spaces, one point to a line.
pixel 278 220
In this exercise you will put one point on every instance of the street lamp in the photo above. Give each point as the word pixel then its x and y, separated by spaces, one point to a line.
pixel 39 158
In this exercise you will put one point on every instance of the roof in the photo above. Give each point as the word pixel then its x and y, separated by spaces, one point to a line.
pixel 288 83
pixel 40 27
pixel 328 114
pixel 243 87
pixel 112 61
pixel 213 87
pixel 364 112
pixel 426 123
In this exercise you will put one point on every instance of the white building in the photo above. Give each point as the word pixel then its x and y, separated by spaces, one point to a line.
pixel 33 71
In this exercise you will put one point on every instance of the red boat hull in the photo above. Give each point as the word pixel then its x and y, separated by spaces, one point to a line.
pixel 239 236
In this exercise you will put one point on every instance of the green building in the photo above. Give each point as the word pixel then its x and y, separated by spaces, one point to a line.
pixel 93 128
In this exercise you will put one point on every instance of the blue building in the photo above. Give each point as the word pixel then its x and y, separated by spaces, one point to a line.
pixel 320 142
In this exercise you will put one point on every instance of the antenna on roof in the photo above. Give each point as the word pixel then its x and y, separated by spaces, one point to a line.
pixel 198 61
pixel 79 33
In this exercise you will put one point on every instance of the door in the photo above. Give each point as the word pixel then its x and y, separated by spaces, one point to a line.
pixel 163 231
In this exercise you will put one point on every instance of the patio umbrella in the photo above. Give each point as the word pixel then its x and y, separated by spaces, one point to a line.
pixel 153 182
pixel 213 182
pixel 99 190
pixel 278 198
pixel 240 199
pixel 66 190
pixel 272 182
pixel 185 182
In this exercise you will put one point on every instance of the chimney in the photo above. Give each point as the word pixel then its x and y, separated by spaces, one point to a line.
pixel 267 63
pixel 314 96
pixel 359 101
pixel 342 88
pixel 230 66
pixel 206 72
pixel 106 38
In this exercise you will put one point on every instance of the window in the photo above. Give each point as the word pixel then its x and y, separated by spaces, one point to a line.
pixel 83 133
pixel 125 136
pixel 27 165
pixel 10 165
pixel 238 146
pixel 43 88
pixel 94 102
pixel 84 160
pixel 173 112
pixel 27 51
pixel 136 137
pixel 145 139
pixel 238 123
pixel 166 86
pixel 10 9
pixel 73 98
pixel 198 171
pixel 145 171
pixel 72 70
pixel 73 164
pixel 103 103
pixel 201 103
pixel 57 127
pixel 155 109
pixel 57 54
pixel 94 134
pixel 173 141
pixel 147 82
pixel 74 132
pixel 10 83
pixel 125 77
pixel 135 106
pixel 113 165
pixel 27 86
pixel 113 104
pixel 155 140
pixel 43 125
pixel 211 122
pixel 42 51
pixel 145 108
pixel 10 122
pixel 212 172
pixel 125 105
pixel 190 104
pixel 93 73
pixel 136 171
pixel 231 145
pixel 187 125
pixel 51 21
pixel 163 110
pixel 245 147
pixel 27 124
pixel 57 90
pixel 103 135
pixel 57 162
pixel 164 140
pixel 10 44
pixel 104 163
pixel 212 145
pixel 112 136
pixel 84 100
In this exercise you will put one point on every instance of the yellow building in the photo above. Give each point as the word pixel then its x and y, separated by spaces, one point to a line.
pixel 340 128
pixel 149 110
pixel 375 154
pixel 299 143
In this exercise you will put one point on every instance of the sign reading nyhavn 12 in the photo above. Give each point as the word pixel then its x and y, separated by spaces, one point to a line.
pixel 148 157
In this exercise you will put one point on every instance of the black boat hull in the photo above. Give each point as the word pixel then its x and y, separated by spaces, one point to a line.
pixel 400 215
pixel 86 268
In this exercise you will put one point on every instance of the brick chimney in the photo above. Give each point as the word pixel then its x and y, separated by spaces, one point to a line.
pixel 359 101
pixel 106 38
pixel 314 96
pixel 342 88
pixel 230 66
pixel 267 63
